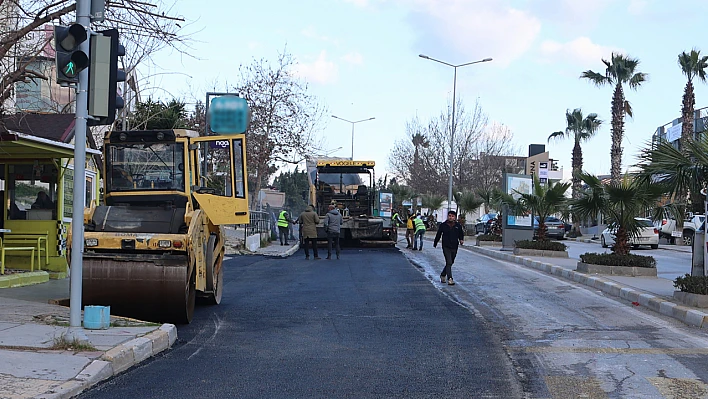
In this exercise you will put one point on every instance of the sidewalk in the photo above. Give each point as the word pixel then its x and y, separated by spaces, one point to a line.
pixel 274 249
pixel 38 361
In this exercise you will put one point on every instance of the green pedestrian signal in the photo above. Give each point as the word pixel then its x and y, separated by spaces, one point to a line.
pixel 69 59
pixel 70 69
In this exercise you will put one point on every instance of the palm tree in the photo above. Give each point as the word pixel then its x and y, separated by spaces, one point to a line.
pixel 467 202
pixel 487 195
pixel 400 194
pixel 419 140
pixel 619 203
pixel 432 201
pixel 677 172
pixel 581 129
pixel 544 201
pixel 693 66
pixel 620 69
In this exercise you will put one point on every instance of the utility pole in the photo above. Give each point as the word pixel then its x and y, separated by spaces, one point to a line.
pixel 83 17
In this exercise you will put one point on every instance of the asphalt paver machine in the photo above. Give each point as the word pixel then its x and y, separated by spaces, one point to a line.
pixel 349 186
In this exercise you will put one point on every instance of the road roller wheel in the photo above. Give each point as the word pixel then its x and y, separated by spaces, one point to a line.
pixel 190 295
pixel 214 281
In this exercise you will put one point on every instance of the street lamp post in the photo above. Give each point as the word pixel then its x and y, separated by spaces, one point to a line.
pixel 353 123
pixel 452 129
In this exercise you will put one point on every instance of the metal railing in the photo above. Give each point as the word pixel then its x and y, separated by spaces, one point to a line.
pixel 260 222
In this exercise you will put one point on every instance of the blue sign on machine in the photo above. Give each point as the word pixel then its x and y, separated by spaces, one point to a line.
pixel 228 115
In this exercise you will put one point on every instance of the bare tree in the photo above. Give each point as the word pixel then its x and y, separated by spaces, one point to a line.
pixel 493 153
pixel 284 117
pixel 422 160
pixel 25 37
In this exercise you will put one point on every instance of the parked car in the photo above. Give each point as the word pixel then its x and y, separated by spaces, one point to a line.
pixel 555 227
pixel 568 225
pixel 689 228
pixel 649 235
pixel 484 223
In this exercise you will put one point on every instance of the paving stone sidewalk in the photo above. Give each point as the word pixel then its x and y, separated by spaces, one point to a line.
pixel 38 361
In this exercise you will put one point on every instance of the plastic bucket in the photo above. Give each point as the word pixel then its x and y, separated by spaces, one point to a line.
pixel 97 317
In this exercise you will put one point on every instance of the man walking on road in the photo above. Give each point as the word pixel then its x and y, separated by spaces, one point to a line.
pixel 419 226
pixel 452 236
pixel 308 220
pixel 332 225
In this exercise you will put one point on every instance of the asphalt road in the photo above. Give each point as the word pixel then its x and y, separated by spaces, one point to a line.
pixel 370 325
pixel 569 341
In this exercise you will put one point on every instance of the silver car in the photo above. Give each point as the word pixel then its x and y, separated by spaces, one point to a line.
pixel 555 228
pixel 648 235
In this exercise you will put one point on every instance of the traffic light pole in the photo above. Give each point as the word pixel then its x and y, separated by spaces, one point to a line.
pixel 83 12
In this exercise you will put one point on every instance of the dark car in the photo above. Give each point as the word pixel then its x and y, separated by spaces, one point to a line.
pixel 484 223
pixel 555 227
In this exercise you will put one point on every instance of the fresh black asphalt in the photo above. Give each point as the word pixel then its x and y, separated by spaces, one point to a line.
pixel 367 326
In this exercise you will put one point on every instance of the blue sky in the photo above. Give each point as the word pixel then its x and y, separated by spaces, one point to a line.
pixel 360 58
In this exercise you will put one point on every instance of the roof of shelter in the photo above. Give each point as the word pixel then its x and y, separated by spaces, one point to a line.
pixel 57 127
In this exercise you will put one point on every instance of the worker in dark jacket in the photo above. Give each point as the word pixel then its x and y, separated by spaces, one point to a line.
pixel 309 220
pixel 452 236
pixel 332 225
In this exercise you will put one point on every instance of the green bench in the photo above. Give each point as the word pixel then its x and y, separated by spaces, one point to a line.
pixel 4 248
pixel 37 241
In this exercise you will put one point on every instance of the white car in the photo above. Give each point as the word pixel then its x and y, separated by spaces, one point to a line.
pixel 648 235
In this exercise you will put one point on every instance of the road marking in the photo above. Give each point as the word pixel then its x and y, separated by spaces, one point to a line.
pixel 560 386
pixel 675 388
pixel 624 351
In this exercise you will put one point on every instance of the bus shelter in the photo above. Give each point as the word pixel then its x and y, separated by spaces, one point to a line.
pixel 36 189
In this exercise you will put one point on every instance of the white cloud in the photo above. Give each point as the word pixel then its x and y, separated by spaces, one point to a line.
pixel 472 29
pixel 320 70
pixel 353 58
pixel 581 51
pixel 358 3
pixel 311 32
pixel 636 7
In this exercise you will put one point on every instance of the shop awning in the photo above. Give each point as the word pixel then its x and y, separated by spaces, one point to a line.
pixel 15 146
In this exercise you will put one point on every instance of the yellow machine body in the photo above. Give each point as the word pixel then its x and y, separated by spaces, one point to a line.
pixel 156 242
pixel 343 183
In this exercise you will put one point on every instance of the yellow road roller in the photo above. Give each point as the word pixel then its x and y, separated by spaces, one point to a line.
pixel 156 244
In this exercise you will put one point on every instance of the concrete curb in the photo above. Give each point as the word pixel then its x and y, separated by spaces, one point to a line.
pixel 684 314
pixel 287 253
pixel 22 279
pixel 585 240
pixel 115 361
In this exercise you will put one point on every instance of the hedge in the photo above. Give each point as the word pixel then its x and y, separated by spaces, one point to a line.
pixel 544 245
pixel 692 284
pixel 611 259
pixel 489 237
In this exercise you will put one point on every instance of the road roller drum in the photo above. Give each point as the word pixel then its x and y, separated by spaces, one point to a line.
pixel 158 291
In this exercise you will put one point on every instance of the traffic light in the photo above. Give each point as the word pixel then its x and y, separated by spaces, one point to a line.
pixel 104 75
pixel 69 59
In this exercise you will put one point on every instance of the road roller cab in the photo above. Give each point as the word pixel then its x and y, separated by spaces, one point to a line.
pixel 156 242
